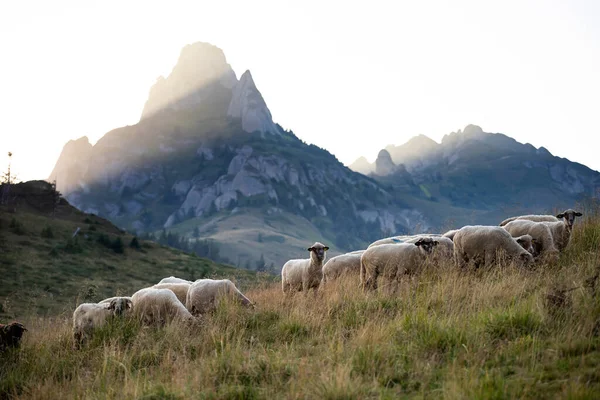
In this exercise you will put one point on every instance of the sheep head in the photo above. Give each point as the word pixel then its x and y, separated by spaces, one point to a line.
pixel 526 258
pixel 526 242
pixel 427 244
pixel 12 333
pixel 317 251
pixel 569 216
pixel 120 305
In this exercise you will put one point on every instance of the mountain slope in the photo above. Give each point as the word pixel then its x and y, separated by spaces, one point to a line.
pixel 45 269
pixel 490 174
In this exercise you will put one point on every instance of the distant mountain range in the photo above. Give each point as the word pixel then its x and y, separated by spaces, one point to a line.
pixel 207 160
pixel 479 170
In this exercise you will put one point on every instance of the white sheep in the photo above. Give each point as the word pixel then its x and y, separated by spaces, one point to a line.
pixel 172 279
pixel 302 275
pixel 180 289
pixel 527 242
pixel 541 233
pixel 568 215
pixel 561 233
pixel 90 316
pixel 344 264
pixel 450 234
pixel 205 294
pixel 481 244
pixel 402 239
pixel 392 261
pixel 157 306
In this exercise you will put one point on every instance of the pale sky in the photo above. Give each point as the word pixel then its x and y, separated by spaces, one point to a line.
pixel 348 76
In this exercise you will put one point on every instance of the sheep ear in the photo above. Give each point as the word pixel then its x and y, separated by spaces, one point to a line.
pixel 129 304
pixel 112 304
pixel 520 240
pixel 578 214
pixel 419 242
pixel 310 249
pixel 559 216
pixel 325 248
pixel 435 242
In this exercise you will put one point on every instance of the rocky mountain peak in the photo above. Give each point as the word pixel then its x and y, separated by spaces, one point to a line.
pixel 248 104
pixel 201 70
pixel 384 164
pixel 71 164
pixel 361 165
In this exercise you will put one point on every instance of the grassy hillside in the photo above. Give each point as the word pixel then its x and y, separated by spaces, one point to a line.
pixel 498 333
pixel 251 234
pixel 44 270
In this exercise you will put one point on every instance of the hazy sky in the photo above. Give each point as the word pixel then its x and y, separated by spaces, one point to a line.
pixel 351 77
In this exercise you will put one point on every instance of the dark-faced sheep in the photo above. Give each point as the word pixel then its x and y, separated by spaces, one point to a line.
pixel 302 275
pixel 88 317
pixel 11 334
pixel 568 215
pixel 392 261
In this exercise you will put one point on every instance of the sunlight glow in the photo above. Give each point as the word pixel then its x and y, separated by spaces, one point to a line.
pixel 377 73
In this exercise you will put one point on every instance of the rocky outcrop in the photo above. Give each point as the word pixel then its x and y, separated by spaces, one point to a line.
pixel 248 104
pixel 384 164
pixel 201 73
pixel 72 165
pixel 362 165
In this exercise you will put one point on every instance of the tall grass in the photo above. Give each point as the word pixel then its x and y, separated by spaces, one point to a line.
pixel 450 334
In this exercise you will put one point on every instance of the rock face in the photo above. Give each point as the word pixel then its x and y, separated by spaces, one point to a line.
pixel 200 73
pixel 248 104
pixel 72 164
pixel 384 164
pixel 362 166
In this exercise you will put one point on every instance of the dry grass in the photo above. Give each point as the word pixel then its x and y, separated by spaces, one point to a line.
pixel 452 334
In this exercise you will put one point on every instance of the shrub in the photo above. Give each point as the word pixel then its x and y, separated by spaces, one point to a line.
pixel 16 227
pixel 117 246
pixel 73 246
pixel 135 244
pixel 47 232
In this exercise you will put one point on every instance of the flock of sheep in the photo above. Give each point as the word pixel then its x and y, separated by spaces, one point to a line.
pixel 521 239
pixel 170 299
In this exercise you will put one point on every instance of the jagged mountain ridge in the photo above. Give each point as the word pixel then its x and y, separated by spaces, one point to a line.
pixel 475 169
pixel 204 155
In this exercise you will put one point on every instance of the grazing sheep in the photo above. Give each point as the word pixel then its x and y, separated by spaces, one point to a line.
pixel 446 250
pixel 10 335
pixel 90 316
pixel 393 260
pixel 204 295
pixel 157 306
pixel 402 239
pixel 119 303
pixel 302 275
pixel 180 289
pixel 568 215
pixel 481 244
pixel 344 264
pixel 172 279
pixel 542 238
pixel 526 242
